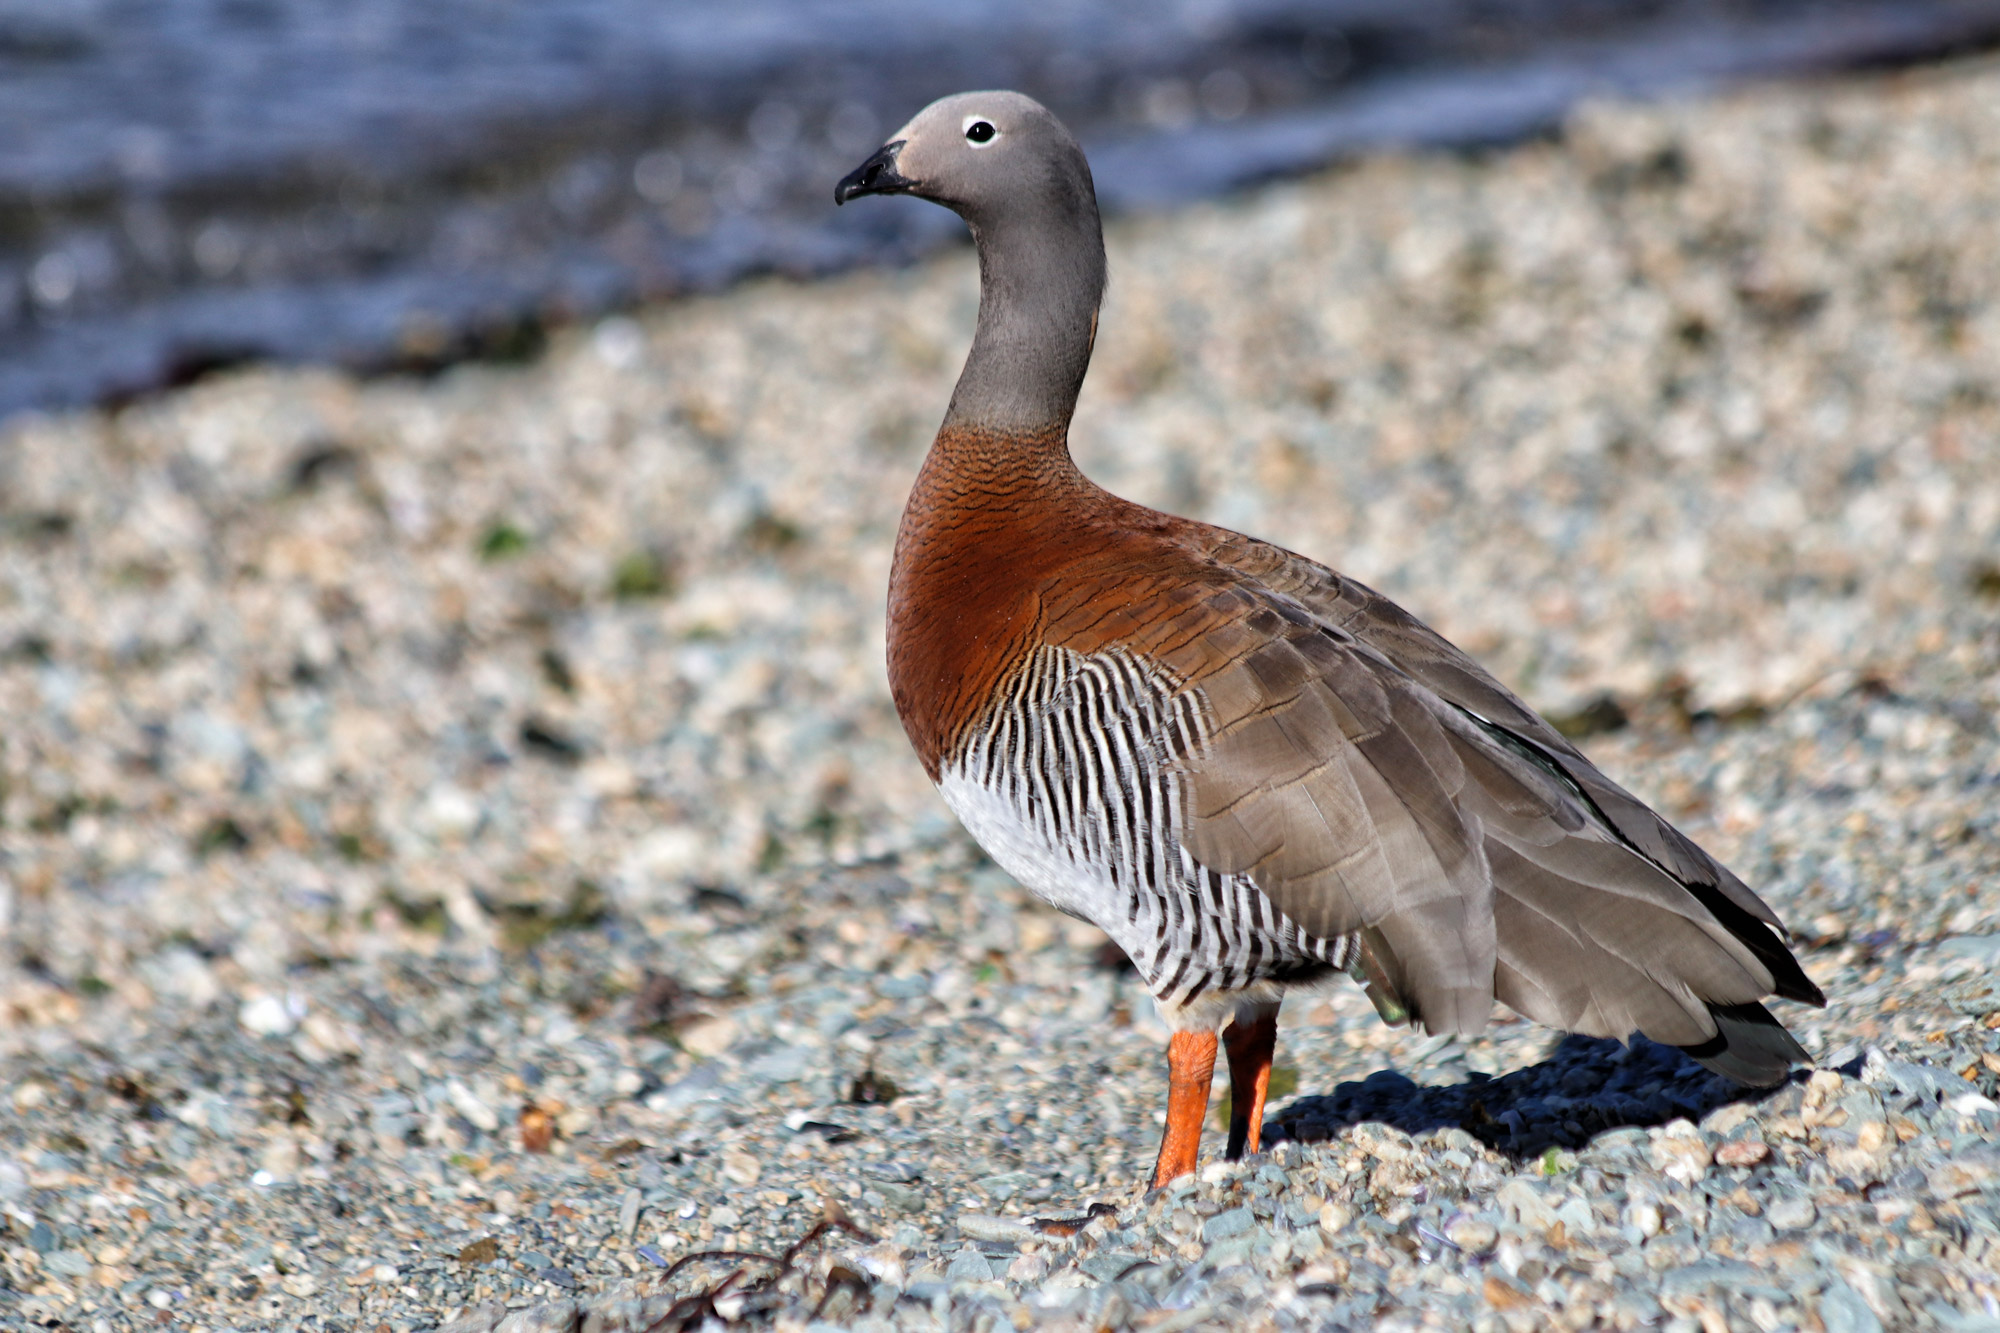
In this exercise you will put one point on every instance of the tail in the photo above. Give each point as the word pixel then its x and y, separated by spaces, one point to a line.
pixel 1598 936
pixel 1749 1046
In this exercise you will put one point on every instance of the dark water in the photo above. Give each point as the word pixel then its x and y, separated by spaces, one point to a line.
pixel 398 183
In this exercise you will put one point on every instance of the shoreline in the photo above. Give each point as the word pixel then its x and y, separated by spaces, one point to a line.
pixel 462 185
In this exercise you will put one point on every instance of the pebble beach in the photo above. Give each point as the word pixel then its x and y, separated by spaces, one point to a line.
pixel 460 867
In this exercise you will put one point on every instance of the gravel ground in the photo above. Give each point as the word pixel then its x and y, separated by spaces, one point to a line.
pixel 460 860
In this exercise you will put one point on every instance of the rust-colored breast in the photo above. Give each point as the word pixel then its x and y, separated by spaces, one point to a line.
pixel 1004 547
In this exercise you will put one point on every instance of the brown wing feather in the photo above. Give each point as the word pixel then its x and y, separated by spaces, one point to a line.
pixel 1372 780
pixel 1324 781
pixel 1420 652
pixel 1427 656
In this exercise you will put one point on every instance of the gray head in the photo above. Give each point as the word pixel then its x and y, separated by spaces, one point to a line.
pixel 1007 166
pixel 979 154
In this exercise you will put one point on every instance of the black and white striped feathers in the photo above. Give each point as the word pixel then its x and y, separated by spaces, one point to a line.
pixel 1071 787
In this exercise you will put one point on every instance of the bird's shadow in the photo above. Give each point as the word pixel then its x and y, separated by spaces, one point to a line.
pixel 1586 1087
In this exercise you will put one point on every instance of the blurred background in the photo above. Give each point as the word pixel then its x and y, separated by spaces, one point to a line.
pixel 190 184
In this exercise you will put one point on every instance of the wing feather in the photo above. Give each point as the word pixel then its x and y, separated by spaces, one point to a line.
pixel 1371 779
pixel 1427 657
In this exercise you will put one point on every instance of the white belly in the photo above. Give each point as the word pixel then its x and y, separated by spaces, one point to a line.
pixel 1065 789
pixel 1053 873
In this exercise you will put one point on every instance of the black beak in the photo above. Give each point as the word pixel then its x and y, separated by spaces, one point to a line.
pixel 877 175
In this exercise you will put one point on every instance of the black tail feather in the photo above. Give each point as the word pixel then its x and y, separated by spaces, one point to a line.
pixel 1789 979
pixel 1749 1046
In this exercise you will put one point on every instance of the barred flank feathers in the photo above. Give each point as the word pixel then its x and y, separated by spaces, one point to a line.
pixel 1077 748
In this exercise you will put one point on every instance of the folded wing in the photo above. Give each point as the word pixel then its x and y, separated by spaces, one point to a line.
pixel 1373 780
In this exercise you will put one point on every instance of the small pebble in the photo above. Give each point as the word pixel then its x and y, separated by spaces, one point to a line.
pixel 984 1226
pixel 1472 1235
pixel 1795 1213
pixel 1742 1152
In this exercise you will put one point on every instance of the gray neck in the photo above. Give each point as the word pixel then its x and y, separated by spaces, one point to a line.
pixel 1041 276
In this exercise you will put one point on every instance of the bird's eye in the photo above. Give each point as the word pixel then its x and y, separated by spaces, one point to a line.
pixel 980 131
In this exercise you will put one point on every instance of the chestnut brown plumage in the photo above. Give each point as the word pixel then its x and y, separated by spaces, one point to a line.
pixel 1250 770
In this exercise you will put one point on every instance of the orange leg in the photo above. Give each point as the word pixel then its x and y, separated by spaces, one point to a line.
pixel 1251 1037
pixel 1190 1068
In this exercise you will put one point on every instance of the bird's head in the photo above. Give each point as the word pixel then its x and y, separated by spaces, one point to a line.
pixel 979 154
